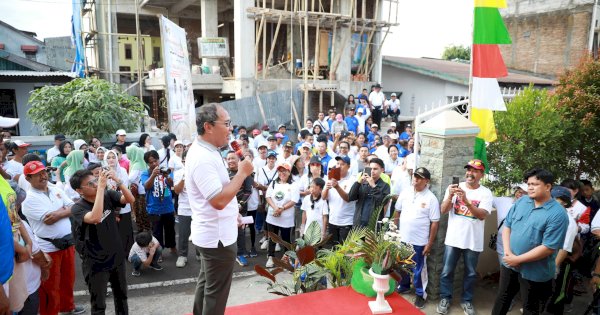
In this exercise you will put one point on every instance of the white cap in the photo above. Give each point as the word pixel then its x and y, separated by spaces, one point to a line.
pixel 121 132
pixel 394 94
pixel 6 122
pixel 393 136
pixel 176 143
pixel 393 124
pixel 20 143
pixel 522 186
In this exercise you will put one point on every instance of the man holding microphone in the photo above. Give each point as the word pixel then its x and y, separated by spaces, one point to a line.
pixel 215 216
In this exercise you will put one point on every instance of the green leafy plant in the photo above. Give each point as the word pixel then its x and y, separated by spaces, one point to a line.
pixel 84 107
pixel 459 52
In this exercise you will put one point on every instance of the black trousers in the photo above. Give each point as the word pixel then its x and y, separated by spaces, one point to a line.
pixel 163 228
pixel 534 294
pixel 97 281
pixel 126 231
pixel 377 113
pixel 286 235
pixel 563 290
pixel 339 233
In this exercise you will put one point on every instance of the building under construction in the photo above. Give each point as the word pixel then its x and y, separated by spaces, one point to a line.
pixel 319 50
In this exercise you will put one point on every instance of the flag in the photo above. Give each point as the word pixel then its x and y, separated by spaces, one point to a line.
pixel 487 66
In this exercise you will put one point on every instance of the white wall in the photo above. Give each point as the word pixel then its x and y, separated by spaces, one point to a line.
pixel 22 91
pixel 419 92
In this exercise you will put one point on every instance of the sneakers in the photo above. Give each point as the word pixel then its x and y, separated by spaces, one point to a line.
pixel 241 260
pixel 468 308
pixel 402 290
pixel 277 247
pixel 181 262
pixel 270 263
pixel 156 267
pixel 264 245
pixel 443 306
pixel 419 302
pixel 253 253
pixel 136 273
pixel 263 239
pixel 77 310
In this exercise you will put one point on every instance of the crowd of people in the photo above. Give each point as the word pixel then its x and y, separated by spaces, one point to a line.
pixel 130 203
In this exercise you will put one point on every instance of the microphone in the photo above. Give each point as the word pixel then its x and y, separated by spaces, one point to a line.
pixel 235 146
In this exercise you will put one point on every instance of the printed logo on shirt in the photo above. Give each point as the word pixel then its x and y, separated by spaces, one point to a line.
pixel 58 196
pixel 279 195
pixel 461 209
pixel 105 214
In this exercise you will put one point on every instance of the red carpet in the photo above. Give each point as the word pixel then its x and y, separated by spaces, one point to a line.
pixel 342 300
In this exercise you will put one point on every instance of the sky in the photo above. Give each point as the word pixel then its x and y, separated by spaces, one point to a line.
pixel 426 27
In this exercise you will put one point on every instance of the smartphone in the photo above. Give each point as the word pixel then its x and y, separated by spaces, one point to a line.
pixel 455 180
pixel 367 170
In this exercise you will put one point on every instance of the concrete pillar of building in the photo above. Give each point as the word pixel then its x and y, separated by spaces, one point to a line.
pixel 343 44
pixel 377 40
pixel 210 25
pixel 244 63
pixel 106 23
pixel 447 142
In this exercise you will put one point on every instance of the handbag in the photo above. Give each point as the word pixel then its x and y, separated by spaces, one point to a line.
pixel 61 243
pixel 494 237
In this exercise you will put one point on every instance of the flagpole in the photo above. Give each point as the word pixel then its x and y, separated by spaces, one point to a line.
pixel 471 64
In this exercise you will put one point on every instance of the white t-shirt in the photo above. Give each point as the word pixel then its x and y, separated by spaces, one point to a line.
pixel 280 194
pixel 315 213
pixel 52 153
pixel 576 211
pixel 400 181
pixel 135 176
pixel 162 157
pixel 207 174
pixel 393 104
pixel 175 163
pixel 142 252
pixel 382 153
pixel 376 98
pixel 391 165
pixel 341 212
pixel 264 175
pixel 465 231
pixel 124 178
pixel 13 168
pixel 502 206
pixel 571 235
pixel 183 199
pixel 417 211
pixel 36 206
pixel 32 270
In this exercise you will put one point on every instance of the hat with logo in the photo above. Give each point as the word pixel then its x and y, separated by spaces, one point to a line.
pixel 344 158
pixel 20 144
pixel 271 153
pixel 288 144
pixel 315 160
pixel 33 167
pixel 284 166
pixel 422 172
pixel 476 164
pixel 306 145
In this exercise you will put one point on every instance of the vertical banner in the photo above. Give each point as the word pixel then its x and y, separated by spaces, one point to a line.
pixel 178 79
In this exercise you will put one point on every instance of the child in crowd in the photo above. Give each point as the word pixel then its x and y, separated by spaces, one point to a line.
pixel 314 207
pixel 146 252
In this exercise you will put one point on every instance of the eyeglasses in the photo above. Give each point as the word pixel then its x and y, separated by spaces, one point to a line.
pixel 344 148
pixel 92 183
pixel 226 123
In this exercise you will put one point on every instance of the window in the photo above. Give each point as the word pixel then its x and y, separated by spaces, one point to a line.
pixel 128 52
pixel 30 55
pixel 156 54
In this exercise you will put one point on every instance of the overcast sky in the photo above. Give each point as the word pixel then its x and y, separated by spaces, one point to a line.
pixel 426 27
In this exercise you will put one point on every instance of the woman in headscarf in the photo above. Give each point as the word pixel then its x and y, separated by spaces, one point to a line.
pixel 80 144
pixel 136 167
pixel 64 148
pixel 124 218
pixel 100 152
pixel 74 163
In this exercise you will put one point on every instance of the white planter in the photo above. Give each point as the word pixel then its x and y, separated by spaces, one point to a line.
pixel 381 285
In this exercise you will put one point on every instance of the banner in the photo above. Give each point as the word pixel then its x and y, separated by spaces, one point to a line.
pixel 178 79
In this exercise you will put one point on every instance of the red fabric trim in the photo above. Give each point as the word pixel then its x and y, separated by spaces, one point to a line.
pixel 488 62
pixel 29 48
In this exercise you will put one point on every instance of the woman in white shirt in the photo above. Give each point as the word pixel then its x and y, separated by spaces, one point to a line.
pixel 111 160
pixel 281 196
pixel 175 163
pixel 165 154
pixel 253 202
pixel 145 142
pixel 393 161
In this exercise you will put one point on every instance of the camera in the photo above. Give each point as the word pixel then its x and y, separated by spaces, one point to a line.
pixel 165 171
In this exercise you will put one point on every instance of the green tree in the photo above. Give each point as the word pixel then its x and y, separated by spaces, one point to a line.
pixel 531 133
pixel 456 52
pixel 84 108
pixel 578 97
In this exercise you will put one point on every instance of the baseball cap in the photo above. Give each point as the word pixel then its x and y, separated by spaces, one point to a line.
pixel 560 192
pixel 262 144
pixel 279 136
pixel 306 145
pixel 374 126
pixel 21 144
pixel 177 143
pixel 33 167
pixel 393 124
pixel 344 158
pixel 393 94
pixel 314 159
pixel 393 136
pixel 284 166
pixel 271 138
pixel 281 126
pixel 422 172
pixel 377 86
pixel 476 164
pixel 271 153
pixel 522 186
pixel 121 132
pixel 7 122
pixel 60 137
pixel 288 144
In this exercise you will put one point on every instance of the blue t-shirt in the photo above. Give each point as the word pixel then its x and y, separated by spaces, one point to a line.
pixel 404 136
pixel 531 226
pixel 352 123
pixel 6 245
pixel 159 199
pixel 402 152
pixel 325 162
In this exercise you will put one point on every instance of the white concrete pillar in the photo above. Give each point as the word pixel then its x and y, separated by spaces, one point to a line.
pixel 244 37
pixel 209 24
pixel 377 40
pixel 343 46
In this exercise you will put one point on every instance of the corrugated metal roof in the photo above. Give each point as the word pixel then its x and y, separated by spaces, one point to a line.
pixel 10 73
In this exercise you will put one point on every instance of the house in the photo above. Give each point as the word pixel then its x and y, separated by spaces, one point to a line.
pixel 24 68
pixel 425 83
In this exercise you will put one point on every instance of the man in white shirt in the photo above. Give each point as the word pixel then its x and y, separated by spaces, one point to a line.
pixel 341 211
pixel 53 152
pixel 419 213
pixel 14 167
pixel 393 107
pixel 377 100
pixel 215 217
pixel 468 203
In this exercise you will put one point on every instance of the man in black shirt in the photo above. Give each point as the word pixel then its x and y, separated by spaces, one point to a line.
pixel 369 191
pixel 94 223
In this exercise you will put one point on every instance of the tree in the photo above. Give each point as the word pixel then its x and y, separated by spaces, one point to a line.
pixel 84 108
pixel 457 52
pixel 531 133
pixel 578 97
